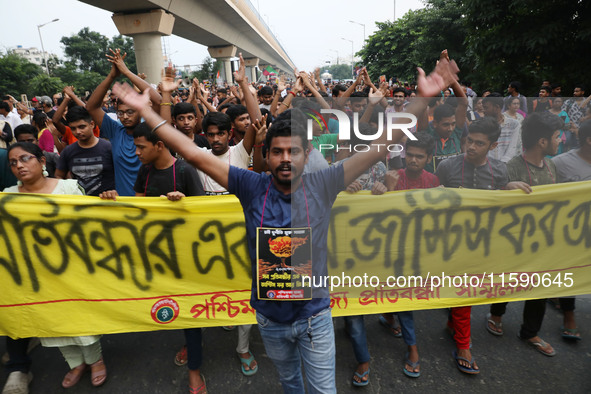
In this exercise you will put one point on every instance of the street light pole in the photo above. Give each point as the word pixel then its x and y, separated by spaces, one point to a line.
pixel 362 24
pixel 333 50
pixel 41 39
pixel 352 55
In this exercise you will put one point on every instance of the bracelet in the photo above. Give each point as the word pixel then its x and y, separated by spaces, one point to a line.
pixel 166 104
pixel 286 105
pixel 292 93
pixel 258 146
pixel 158 125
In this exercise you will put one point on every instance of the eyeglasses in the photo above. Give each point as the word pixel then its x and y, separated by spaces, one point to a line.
pixel 128 112
pixel 23 159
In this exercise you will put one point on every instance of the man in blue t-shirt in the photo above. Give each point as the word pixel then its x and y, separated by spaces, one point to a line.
pixel 292 331
pixel 120 134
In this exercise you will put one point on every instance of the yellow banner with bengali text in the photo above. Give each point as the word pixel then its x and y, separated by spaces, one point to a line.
pixel 77 265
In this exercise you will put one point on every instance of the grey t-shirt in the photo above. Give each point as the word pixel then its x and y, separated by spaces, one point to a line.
pixel 316 162
pixel 571 167
pixel 458 172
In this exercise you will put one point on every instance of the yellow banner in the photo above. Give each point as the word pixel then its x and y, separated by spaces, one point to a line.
pixel 78 265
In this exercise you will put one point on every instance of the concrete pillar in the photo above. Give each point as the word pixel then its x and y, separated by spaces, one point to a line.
pixel 224 54
pixel 252 63
pixel 146 29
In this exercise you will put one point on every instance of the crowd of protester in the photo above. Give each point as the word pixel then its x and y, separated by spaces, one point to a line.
pixel 118 142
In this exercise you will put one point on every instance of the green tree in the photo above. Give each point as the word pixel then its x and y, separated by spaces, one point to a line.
pixel 15 74
pixel 87 50
pixel 43 84
pixel 416 39
pixel 339 71
pixel 208 68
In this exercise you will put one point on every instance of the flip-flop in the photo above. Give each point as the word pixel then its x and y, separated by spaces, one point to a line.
pixel 247 362
pixel 199 390
pixel 571 333
pixel 73 376
pixel 411 374
pixel 180 358
pixel 498 326
pixel 470 370
pixel 539 346
pixel 390 327
pixel 361 382
pixel 98 373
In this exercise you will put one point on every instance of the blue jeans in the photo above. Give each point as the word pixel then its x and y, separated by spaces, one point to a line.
pixel 355 327
pixel 407 324
pixel 309 340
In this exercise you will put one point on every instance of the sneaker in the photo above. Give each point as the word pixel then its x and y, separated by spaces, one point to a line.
pixel 18 383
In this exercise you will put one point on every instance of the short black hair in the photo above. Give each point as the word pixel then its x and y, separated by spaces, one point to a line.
pixel 555 85
pixel 265 91
pixel 584 132
pixel 183 108
pixel 400 90
pixel 235 111
pixel 4 105
pixel 359 94
pixel 581 86
pixel 337 89
pixel 78 113
pixel 424 141
pixel 496 99
pixel 537 126
pixel 546 88
pixel 443 111
pixel 219 119
pixel 222 90
pixel 25 129
pixel 223 107
pixel 289 123
pixel 515 85
pixel 143 130
pixel 487 126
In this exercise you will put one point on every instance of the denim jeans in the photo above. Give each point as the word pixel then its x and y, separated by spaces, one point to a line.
pixel 407 324
pixel 309 340
pixel 355 327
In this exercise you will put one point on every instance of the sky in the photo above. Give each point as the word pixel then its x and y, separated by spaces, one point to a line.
pixel 309 44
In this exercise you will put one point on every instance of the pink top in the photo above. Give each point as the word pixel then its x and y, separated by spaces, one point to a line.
pixel 45 140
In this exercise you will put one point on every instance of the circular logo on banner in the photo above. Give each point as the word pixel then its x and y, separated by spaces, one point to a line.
pixel 270 294
pixel 165 311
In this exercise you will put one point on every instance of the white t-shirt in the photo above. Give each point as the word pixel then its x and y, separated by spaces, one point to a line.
pixel 235 156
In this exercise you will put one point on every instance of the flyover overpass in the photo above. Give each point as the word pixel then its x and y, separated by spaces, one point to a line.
pixel 226 27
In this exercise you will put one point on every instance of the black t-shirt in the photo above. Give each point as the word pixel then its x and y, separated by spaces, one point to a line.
pixel 92 167
pixel 153 182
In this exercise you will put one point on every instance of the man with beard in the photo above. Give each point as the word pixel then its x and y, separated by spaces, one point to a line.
pixel 125 161
pixel 299 330
pixel 240 122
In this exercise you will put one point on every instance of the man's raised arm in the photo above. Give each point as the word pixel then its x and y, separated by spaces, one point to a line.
pixel 251 105
pixel 174 139
pixel 444 74
pixel 95 101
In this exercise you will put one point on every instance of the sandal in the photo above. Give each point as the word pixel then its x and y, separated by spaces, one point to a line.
pixel 361 382
pixel 181 357
pixel 571 333
pixel 469 370
pixel 498 327
pixel 98 373
pixel 73 376
pixel 411 374
pixel 199 390
pixel 245 362
pixel 541 346
pixel 394 330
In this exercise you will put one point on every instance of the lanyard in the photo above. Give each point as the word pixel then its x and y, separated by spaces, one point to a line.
pixel 305 198
pixel 443 146
pixel 529 173
pixel 173 177
pixel 492 178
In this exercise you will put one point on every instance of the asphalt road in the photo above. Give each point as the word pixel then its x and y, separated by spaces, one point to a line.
pixel 143 362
